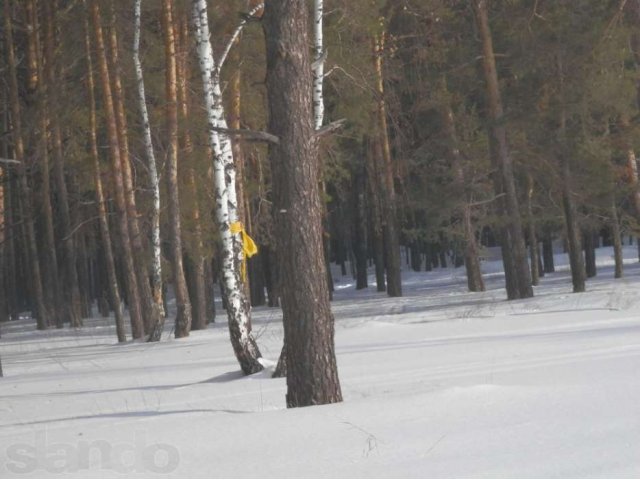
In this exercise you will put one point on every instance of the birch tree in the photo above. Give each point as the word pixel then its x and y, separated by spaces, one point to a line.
pixel 238 308
pixel 156 262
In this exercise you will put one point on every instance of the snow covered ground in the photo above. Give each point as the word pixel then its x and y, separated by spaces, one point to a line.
pixel 438 383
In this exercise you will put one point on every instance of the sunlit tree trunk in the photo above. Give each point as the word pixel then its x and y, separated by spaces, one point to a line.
pixel 312 375
pixel 150 313
pixel 105 235
pixel 183 303
pixel 231 254
pixel 156 257
pixel 386 184
pixel 198 291
pixel 520 277
pixel 133 297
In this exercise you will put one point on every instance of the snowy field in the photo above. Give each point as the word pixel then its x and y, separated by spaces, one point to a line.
pixel 439 383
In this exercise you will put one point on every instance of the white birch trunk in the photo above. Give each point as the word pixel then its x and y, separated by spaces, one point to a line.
pixel 238 309
pixel 318 70
pixel 156 263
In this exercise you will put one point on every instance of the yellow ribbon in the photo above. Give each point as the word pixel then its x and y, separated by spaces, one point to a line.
pixel 249 247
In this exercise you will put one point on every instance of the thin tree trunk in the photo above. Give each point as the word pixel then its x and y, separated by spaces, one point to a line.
pixel 576 260
pixel 112 283
pixel 360 224
pixel 383 151
pixel 18 146
pixel 520 265
pixel 152 320
pixel 632 167
pixel 617 238
pixel 238 308
pixel 156 262
pixel 51 278
pixel 312 375
pixel 74 307
pixel 374 216
pixel 533 237
pixel 198 291
pixel 133 297
pixel 547 253
pixel 475 281
pixel 183 303
pixel 589 254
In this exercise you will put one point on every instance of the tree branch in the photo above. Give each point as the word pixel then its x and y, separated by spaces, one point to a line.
pixel 331 127
pixel 9 161
pixel 250 135
pixel 236 33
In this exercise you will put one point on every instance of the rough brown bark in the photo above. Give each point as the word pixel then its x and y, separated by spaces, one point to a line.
pixel 183 303
pixel 312 374
pixel 38 307
pixel 72 290
pixel 112 281
pixel 520 266
pixel 198 288
pixel 373 194
pixel 576 260
pixel 386 185
pixel 149 309
pixel 133 297
pixel 475 281
pixel 51 278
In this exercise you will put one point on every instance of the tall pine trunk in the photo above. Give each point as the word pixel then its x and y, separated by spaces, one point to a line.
pixel 576 260
pixel 133 296
pixel 386 184
pixel 521 277
pixel 38 304
pixel 475 281
pixel 105 235
pixel 152 320
pixel 183 303
pixel 533 237
pixel 312 375
pixel 198 292
pixel 74 307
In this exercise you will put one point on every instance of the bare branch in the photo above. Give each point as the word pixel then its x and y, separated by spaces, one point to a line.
pixel 331 127
pixel 245 19
pixel 250 135
pixel 484 202
pixel 9 161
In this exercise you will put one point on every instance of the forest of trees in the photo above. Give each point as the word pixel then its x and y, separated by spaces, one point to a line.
pixel 146 145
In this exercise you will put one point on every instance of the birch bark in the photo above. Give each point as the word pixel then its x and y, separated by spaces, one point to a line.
pixel 238 309
pixel 156 262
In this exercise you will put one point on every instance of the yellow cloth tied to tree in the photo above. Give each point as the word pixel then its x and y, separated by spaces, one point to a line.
pixel 249 247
